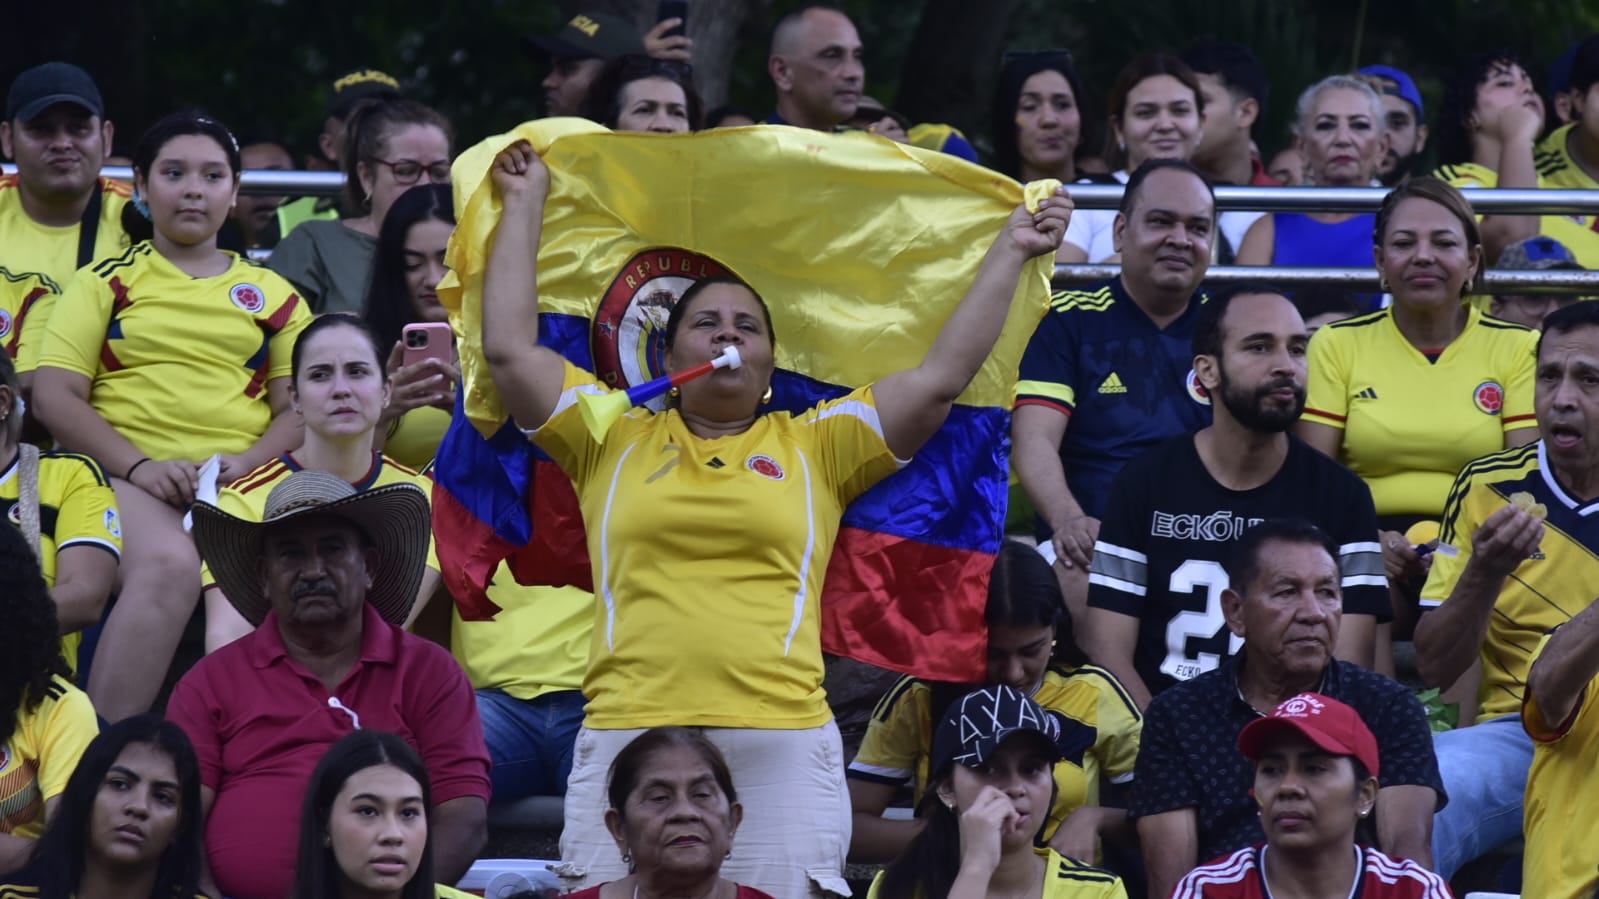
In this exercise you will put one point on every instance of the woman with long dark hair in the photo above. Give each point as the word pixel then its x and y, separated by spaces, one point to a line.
pixel 990 798
pixel 1037 122
pixel 406 270
pixel 364 832
pixel 1032 649
pixel 128 825
pixel 45 722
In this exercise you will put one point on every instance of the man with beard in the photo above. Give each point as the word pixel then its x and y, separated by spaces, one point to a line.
pixel 1155 613
pixel 1406 127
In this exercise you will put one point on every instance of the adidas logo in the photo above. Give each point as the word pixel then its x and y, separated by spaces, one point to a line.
pixel 1370 393
pixel 1113 384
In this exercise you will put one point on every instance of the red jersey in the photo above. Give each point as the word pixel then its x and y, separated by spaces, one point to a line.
pixel 1242 876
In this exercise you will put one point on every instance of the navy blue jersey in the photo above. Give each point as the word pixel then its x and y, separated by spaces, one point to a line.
pixel 1127 384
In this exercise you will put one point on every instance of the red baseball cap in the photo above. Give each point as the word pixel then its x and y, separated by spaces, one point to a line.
pixel 1329 724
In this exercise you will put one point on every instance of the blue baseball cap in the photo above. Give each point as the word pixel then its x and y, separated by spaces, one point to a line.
pixel 1405 88
pixel 1537 254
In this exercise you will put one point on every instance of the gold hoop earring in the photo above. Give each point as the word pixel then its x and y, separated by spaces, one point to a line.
pixel 1382 283
pixel 766 397
pixel 674 393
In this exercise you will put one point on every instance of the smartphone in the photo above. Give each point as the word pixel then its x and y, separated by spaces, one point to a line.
pixel 673 9
pixel 430 340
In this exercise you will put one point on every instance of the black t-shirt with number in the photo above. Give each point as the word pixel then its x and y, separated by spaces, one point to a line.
pixel 1169 525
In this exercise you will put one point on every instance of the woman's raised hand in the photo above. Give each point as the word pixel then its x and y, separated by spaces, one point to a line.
pixel 519 174
pixel 1037 233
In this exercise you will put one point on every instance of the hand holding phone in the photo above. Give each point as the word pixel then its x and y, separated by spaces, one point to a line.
pixel 427 340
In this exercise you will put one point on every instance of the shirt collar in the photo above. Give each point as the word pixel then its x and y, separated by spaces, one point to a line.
pixel 380 640
pixel 1329 680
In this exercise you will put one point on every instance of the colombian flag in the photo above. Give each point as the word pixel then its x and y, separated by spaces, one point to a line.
pixel 862 248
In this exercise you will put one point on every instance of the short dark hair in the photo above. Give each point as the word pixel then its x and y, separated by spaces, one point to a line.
pixel 1243 559
pixel 1135 184
pixel 316 873
pixel 1207 339
pixel 1237 68
pixel 674 319
pixel 790 21
pixel 1572 317
pixel 58 857
pixel 720 114
pixel 1320 299
pixel 628 765
pixel 183 123
pixel 1585 65
pixel 603 103
pixel 1460 99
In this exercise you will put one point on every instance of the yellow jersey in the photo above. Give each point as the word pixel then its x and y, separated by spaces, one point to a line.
pixel 537 644
pixel 27 246
pixel 1064 878
pixel 1562 831
pixel 1544 591
pixel 178 365
pixel 709 557
pixel 41 754
pixel 413 438
pixel 1557 167
pixel 1575 232
pixel 1410 423
pixel 77 507
pixel 21 294
pixel 246 497
pixel 1104 727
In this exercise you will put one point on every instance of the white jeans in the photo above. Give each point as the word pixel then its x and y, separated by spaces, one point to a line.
pixel 796 826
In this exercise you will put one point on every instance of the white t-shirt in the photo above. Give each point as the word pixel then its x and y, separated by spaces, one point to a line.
pixel 1093 230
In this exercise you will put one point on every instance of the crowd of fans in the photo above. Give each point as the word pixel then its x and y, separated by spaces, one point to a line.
pixel 1246 499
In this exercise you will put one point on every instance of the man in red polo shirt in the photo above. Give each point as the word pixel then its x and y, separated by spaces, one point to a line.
pixel 327 577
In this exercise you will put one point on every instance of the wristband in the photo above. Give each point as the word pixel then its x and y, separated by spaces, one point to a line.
pixel 135 467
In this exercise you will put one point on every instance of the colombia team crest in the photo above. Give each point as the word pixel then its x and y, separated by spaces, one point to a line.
pixel 5 324
pixel 629 332
pixel 248 297
pixel 1489 398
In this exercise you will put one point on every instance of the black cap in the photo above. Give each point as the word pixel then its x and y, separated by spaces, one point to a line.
pixel 592 35
pixel 43 86
pixel 361 84
pixel 980 721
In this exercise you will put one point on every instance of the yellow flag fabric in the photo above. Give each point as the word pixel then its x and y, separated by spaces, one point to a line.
pixel 860 245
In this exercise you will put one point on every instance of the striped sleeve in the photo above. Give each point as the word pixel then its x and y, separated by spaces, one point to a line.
pixel 1454 543
pixel 1520 364
pixel 565 437
pixel 1118 574
pixel 898 735
pixel 1532 717
pixel 1327 395
pixel 853 449
pixel 1047 374
pixel 1120 725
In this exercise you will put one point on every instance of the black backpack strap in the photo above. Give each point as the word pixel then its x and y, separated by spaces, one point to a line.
pixel 89 226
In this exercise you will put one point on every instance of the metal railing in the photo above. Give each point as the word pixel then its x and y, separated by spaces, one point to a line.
pixel 1108 196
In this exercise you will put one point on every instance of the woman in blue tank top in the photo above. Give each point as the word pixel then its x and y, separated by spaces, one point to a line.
pixel 1339 130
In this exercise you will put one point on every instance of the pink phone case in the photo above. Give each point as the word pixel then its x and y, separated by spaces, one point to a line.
pixel 426 341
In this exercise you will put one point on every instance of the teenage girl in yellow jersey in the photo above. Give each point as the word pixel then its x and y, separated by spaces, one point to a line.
pixel 1490 120
pixel 406 270
pixel 339 389
pixel 726 553
pixel 1407 396
pixel 1032 649
pixel 172 352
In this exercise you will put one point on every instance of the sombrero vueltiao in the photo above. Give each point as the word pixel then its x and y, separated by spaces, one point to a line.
pixel 395 519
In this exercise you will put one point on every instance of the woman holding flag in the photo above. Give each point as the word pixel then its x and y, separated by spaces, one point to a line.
pixel 711 526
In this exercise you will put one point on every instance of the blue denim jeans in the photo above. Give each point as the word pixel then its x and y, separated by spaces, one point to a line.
pixel 530 741
pixel 1484 768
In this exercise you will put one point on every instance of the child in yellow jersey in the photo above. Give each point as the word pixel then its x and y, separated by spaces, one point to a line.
pixel 175 351
pixel 1032 649
pixel 339 388
pixel 991 793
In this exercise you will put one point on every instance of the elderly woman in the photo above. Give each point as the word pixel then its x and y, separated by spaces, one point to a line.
pixel 1407 396
pixel 1338 128
pixel 1316 767
pixel 710 526
pixel 673 813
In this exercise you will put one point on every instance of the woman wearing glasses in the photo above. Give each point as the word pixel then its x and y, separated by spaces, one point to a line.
pixel 390 146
